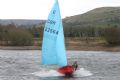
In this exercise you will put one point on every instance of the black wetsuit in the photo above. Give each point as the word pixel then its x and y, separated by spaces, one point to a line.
pixel 75 65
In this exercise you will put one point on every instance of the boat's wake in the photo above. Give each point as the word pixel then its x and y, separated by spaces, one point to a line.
pixel 82 73
pixel 53 73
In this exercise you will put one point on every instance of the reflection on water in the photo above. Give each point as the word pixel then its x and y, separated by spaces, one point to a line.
pixel 19 64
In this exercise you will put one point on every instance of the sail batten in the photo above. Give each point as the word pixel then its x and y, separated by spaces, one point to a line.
pixel 53 47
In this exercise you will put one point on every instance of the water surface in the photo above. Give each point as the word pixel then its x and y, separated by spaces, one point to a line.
pixel 19 64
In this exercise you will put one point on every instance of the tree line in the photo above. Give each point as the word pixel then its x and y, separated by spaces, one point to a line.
pixel 13 35
pixel 110 33
pixel 25 36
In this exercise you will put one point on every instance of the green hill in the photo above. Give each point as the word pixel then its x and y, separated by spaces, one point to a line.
pixel 99 17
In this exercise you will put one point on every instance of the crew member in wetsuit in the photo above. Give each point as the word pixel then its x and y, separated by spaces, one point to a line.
pixel 75 65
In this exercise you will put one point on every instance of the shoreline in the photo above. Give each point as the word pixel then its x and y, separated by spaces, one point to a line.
pixel 80 48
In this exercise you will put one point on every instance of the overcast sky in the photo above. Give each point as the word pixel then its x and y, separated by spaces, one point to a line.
pixel 39 9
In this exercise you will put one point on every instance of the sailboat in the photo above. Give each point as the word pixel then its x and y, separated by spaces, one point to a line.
pixel 53 46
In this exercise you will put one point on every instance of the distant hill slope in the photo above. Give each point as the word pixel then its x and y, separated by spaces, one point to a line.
pixel 19 22
pixel 97 17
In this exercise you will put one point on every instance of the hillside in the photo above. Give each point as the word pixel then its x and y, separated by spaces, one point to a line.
pixel 19 22
pixel 97 17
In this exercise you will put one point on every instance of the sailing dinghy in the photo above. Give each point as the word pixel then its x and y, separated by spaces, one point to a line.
pixel 53 46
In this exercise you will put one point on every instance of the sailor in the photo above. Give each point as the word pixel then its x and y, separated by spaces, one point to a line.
pixel 75 65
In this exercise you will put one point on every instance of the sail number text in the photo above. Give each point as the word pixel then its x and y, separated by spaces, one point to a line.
pixel 51 21
pixel 51 31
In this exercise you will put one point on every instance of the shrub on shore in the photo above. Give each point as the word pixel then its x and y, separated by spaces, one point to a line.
pixel 112 35
pixel 20 37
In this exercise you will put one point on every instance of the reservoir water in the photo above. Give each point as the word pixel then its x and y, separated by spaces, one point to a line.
pixel 19 64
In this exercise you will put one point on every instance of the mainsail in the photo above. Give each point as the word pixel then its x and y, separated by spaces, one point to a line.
pixel 53 47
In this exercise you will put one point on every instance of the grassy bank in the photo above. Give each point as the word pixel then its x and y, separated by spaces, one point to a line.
pixel 90 44
pixel 86 44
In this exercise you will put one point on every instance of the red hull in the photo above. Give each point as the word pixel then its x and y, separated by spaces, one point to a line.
pixel 66 70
